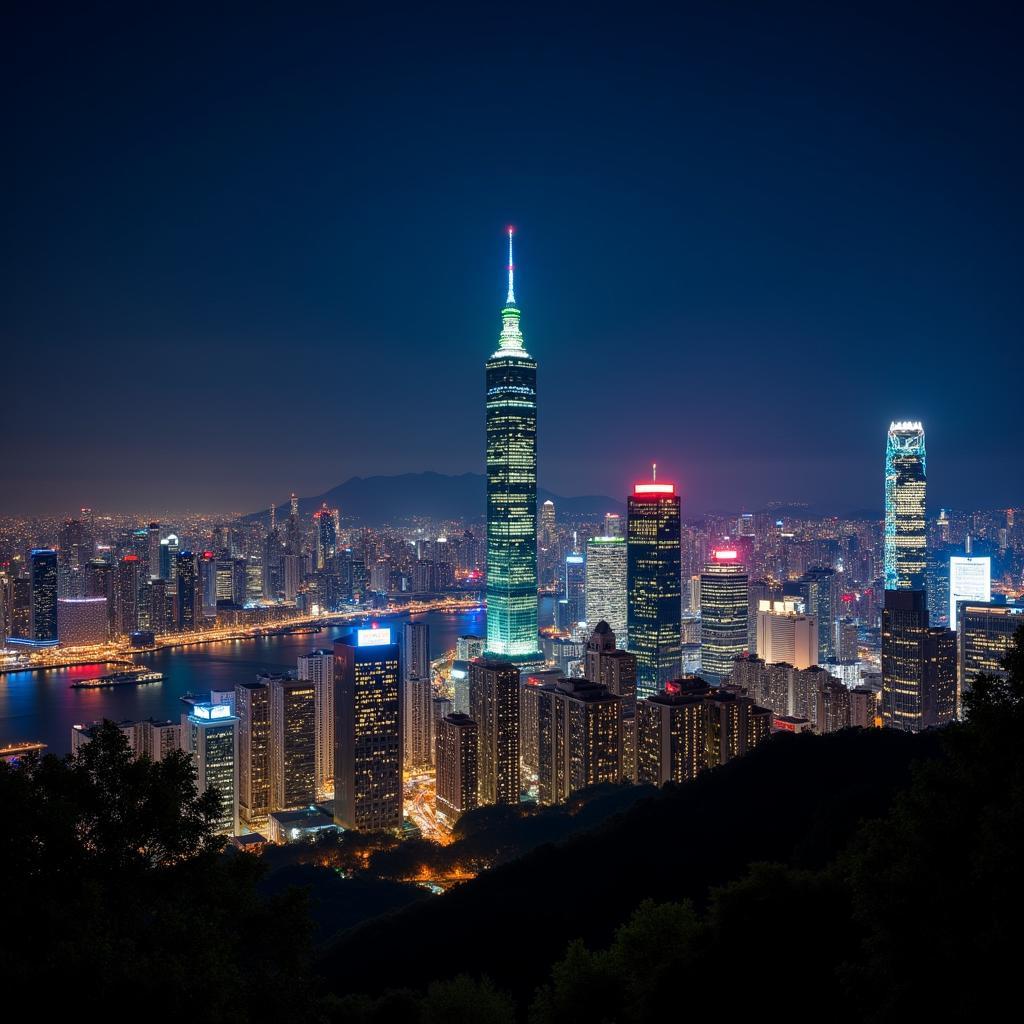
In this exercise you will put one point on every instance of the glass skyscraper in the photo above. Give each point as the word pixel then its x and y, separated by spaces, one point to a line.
pixel 906 550
pixel 653 584
pixel 512 492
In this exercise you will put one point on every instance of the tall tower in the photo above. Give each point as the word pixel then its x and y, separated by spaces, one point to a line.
pixel 653 583
pixel 512 492
pixel 906 552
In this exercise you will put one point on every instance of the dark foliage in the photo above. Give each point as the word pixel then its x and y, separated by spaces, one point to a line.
pixel 114 891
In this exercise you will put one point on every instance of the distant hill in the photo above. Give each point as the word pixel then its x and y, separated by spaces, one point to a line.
pixel 375 500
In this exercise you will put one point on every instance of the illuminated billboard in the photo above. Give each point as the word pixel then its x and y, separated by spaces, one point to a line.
pixel 970 579
pixel 373 637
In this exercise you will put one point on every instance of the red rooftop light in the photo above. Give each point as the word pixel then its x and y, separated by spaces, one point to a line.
pixel 654 488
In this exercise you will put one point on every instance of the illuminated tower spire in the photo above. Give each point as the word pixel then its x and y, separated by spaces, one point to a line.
pixel 511 299
pixel 511 340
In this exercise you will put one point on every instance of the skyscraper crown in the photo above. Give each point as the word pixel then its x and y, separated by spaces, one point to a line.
pixel 510 341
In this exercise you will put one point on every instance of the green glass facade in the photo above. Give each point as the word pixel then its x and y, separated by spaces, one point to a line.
pixel 512 495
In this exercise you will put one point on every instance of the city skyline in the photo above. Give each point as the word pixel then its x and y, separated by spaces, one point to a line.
pixel 250 247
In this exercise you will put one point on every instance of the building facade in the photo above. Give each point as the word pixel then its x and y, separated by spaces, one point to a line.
pixel 906 544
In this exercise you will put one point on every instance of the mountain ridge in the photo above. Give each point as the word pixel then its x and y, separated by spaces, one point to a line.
pixel 376 500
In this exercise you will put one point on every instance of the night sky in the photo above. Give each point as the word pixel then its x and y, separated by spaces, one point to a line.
pixel 252 254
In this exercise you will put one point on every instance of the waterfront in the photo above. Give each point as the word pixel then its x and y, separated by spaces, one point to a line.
pixel 40 705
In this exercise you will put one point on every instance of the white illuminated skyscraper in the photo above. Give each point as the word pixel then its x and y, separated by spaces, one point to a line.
pixel 606 584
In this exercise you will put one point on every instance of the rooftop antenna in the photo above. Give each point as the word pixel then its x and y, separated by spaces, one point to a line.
pixel 511 299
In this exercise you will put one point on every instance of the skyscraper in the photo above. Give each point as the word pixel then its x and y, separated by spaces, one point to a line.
pixel 43 577
pixel 494 706
pixel 723 610
pixel 417 694
pixel 252 705
pixel 653 583
pixel 512 492
pixel 292 742
pixel 368 731
pixel 317 667
pixel 606 584
pixel 211 732
pixel 905 522
pixel 189 604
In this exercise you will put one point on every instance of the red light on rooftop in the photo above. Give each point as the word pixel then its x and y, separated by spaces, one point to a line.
pixel 654 488
pixel 673 687
pixel 847 598
pixel 208 555
pixel 130 558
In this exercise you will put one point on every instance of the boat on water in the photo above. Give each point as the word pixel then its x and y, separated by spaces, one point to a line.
pixel 118 679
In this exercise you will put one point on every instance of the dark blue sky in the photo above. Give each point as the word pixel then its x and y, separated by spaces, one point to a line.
pixel 249 254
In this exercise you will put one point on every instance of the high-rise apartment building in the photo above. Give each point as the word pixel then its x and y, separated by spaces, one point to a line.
pixel 653 583
pixel 456 759
pixel 293 723
pixel 252 707
pixel 368 731
pixel 417 695
pixel 82 621
pixel 317 667
pixel 494 706
pixel 606 574
pixel 905 518
pixel 512 492
pixel 579 738
pixel 671 733
pixel 723 610
pixel 127 594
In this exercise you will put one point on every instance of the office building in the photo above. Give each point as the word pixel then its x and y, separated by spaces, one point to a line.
pixel 816 590
pixel 512 492
pixel 918 665
pixel 606 573
pixel 368 731
pixel 189 606
pixel 417 695
pixel 127 583
pixel 293 723
pixel 970 579
pixel 494 706
pixel 317 668
pixel 723 610
pixel 469 647
pixel 43 580
pixel 572 607
pixel 653 584
pixel 82 621
pixel 456 759
pixel 785 633
pixel 211 734
pixel 905 517
pixel 579 738
pixel 984 633
pixel 252 707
